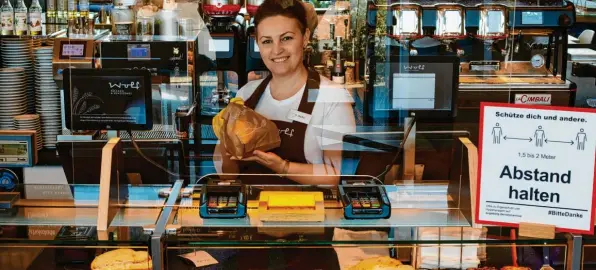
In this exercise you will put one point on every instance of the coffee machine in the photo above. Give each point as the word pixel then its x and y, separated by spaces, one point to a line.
pixel 512 52
pixel 171 62
pixel 221 77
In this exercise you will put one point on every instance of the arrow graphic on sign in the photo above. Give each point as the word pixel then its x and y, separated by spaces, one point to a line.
pixel 569 142
pixel 520 139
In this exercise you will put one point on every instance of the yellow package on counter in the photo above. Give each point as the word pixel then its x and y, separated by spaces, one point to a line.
pixel 291 206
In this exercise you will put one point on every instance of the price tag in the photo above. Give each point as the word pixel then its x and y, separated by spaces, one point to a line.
pixel 199 258
pixel 537 166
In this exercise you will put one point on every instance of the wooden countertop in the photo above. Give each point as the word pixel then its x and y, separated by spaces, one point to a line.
pixel 586 18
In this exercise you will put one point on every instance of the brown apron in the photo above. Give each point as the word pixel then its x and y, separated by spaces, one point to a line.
pixel 292 135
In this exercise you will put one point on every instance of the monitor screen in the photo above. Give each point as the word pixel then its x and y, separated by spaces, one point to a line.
pixel 106 99
pixel 426 85
pixel 422 85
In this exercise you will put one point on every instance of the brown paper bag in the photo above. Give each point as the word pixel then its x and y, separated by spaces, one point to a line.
pixel 241 130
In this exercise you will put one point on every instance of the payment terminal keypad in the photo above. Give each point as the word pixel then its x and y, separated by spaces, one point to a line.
pixel 367 201
pixel 223 200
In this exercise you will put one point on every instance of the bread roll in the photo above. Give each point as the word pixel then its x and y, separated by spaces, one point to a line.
pixel 378 263
pixel 515 268
pixel 122 259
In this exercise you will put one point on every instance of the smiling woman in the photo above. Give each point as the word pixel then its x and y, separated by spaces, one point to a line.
pixel 308 120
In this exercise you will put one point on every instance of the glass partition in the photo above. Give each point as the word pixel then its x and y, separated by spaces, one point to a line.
pixel 59 225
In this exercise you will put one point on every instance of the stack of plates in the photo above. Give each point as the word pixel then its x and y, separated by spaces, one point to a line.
pixel 30 122
pixel 37 42
pixel 13 96
pixel 47 99
pixel 18 53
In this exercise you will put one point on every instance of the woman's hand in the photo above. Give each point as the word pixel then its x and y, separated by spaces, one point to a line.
pixel 269 160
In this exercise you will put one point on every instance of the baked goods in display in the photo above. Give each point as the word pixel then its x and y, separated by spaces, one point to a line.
pixel 515 268
pixel 122 259
pixel 483 268
pixel 380 263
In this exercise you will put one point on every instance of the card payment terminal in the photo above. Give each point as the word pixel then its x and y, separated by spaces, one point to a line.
pixel 223 199
pixel 364 199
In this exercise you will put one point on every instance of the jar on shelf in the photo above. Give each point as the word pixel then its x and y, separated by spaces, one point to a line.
pixel 350 74
pixel 123 18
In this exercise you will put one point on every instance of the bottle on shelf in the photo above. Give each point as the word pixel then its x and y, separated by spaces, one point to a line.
pixel 51 17
pixel 7 18
pixel 35 18
pixel 338 74
pixel 71 9
pixel 84 8
pixel 61 19
pixel 21 27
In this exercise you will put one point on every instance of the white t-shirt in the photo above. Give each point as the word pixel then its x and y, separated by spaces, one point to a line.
pixel 332 116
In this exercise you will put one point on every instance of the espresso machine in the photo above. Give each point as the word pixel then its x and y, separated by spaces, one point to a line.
pixel 511 52
pixel 171 62
pixel 219 78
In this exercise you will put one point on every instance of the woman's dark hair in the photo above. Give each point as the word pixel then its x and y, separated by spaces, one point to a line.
pixel 288 8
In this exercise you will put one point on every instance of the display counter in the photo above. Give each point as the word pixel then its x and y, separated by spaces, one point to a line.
pixel 59 226
pixel 429 222
pixel 402 198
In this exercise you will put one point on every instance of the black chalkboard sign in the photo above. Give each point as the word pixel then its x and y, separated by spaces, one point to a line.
pixel 107 99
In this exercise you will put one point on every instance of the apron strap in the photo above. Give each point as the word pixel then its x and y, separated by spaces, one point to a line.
pixel 313 84
pixel 253 100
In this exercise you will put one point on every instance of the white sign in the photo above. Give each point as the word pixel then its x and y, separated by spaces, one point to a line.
pixel 537 166
pixel 219 45
pixel 537 99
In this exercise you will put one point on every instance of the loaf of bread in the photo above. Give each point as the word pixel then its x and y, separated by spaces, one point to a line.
pixel 241 130
pixel 379 263
pixel 122 259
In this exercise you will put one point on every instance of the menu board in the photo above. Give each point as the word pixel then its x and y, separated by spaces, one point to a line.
pixel 73 50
